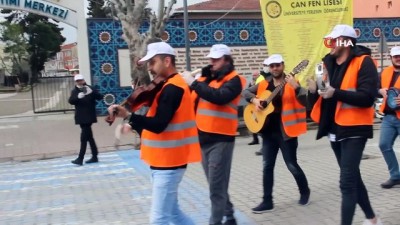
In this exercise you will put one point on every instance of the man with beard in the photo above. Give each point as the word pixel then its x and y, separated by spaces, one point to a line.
pixel 390 127
pixel 216 95
pixel 344 112
pixel 283 126
pixel 169 140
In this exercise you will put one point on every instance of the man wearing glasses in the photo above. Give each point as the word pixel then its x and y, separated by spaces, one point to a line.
pixel 280 130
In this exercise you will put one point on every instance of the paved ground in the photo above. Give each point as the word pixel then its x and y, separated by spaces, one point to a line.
pixel 117 190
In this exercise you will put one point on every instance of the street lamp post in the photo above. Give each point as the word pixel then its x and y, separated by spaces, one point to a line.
pixel 186 30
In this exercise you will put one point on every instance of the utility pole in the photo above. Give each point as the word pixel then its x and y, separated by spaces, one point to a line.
pixel 186 30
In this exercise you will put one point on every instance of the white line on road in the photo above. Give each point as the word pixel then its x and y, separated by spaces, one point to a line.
pixel 9 127
pixel 26 99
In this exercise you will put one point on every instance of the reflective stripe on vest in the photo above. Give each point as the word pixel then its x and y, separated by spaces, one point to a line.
pixel 224 115
pixel 180 126
pixel 293 111
pixel 293 122
pixel 170 143
pixel 230 104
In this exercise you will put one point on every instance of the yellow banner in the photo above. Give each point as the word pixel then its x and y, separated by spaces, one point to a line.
pixel 295 29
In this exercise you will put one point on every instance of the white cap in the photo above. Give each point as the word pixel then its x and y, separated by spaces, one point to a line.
pixel 266 62
pixel 342 30
pixel 275 58
pixel 78 77
pixel 218 50
pixel 157 48
pixel 395 51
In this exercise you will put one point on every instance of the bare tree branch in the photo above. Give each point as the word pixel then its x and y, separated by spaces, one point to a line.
pixel 132 14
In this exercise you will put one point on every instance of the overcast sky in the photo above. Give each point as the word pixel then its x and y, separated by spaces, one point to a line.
pixel 70 32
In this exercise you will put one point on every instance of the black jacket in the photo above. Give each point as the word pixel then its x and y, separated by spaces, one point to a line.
pixel 364 96
pixel 85 108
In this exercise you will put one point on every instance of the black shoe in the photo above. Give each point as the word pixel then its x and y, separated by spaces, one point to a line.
pixel 258 152
pixel 230 222
pixel 93 160
pixel 390 183
pixel 304 199
pixel 78 161
pixel 263 207
pixel 254 142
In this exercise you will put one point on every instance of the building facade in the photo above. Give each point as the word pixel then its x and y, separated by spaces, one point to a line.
pixel 240 28
pixel 64 61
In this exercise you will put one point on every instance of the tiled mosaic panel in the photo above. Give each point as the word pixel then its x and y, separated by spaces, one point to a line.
pixel 105 40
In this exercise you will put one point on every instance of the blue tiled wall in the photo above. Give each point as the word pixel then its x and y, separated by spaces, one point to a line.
pixel 103 50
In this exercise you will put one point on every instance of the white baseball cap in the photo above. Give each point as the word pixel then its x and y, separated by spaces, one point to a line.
pixel 342 30
pixel 275 58
pixel 395 51
pixel 218 50
pixel 266 62
pixel 78 77
pixel 157 48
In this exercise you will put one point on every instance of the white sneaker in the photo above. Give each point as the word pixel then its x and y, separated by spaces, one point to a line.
pixel 368 222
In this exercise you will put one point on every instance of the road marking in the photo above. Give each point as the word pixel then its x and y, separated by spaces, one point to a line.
pixel 9 127
pixel 9 144
pixel 26 99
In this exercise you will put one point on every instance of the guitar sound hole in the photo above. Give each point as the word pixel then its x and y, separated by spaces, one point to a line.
pixel 264 104
pixel 254 116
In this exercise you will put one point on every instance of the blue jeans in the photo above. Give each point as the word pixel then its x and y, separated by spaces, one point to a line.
pixel 390 129
pixel 164 206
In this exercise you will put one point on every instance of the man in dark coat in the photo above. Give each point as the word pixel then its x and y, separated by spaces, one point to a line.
pixel 84 97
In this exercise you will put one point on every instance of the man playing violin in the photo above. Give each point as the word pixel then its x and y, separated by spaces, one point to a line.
pixel 390 127
pixel 169 138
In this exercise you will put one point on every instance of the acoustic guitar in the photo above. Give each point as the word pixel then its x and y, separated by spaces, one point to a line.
pixel 255 119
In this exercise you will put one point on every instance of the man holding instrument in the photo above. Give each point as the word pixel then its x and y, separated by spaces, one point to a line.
pixel 169 138
pixel 282 127
pixel 390 127
pixel 344 112
pixel 216 95
pixel 84 97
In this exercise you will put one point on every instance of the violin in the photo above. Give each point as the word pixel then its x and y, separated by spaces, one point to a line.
pixel 144 95
pixel 141 96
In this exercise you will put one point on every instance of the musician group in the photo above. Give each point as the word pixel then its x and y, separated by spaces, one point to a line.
pixel 194 119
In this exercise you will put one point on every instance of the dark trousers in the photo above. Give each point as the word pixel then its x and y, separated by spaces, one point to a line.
pixel 271 144
pixel 255 137
pixel 348 153
pixel 217 161
pixel 87 136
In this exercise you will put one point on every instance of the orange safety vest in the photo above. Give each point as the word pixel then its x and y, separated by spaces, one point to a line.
pixel 386 77
pixel 178 144
pixel 293 114
pixel 346 114
pixel 218 119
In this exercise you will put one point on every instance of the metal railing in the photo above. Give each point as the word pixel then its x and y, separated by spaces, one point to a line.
pixel 51 94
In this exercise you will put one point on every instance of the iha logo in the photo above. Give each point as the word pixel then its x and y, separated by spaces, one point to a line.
pixel 336 42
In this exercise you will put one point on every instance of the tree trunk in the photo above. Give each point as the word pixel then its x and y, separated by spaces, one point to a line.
pixel 132 15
